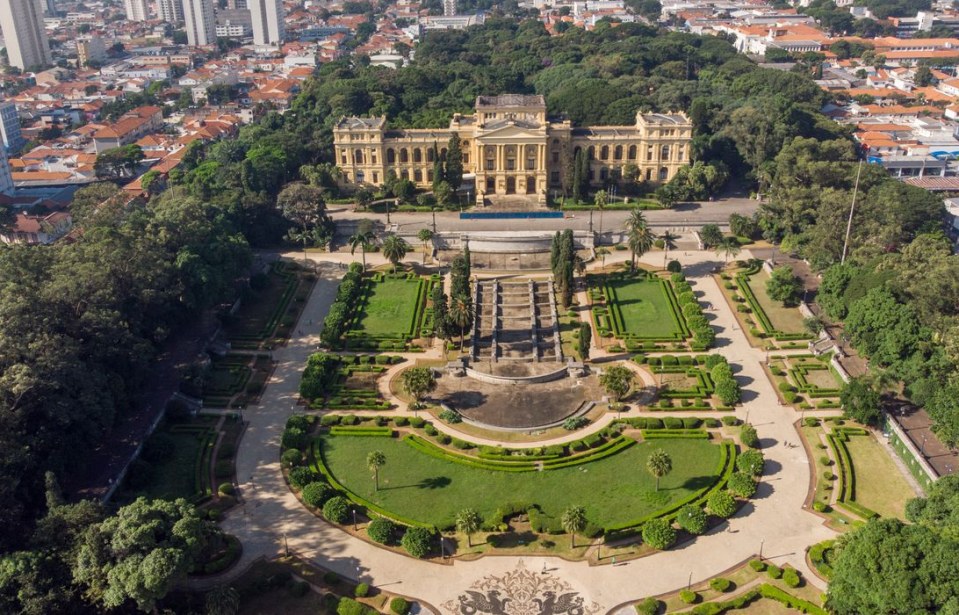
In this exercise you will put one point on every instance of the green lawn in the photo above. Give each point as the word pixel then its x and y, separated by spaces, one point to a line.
pixel 390 309
pixel 785 319
pixel 645 309
pixel 880 486
pixel 614 490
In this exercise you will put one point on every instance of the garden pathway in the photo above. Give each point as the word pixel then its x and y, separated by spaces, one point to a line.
pixel 271 518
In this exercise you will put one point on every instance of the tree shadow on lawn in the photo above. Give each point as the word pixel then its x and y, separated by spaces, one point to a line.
pixel 695 483
pixel 434 482
pixel 508 540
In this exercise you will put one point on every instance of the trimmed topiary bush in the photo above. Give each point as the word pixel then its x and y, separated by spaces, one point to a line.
pixel 748 436
pixel 362 590
pixel 692 518
pixel 791 577
pixel 399 606
pixel 688 596
pixel 773 571
pixel 337 510
pixel 721 504
pixel 381 530
pixel 720 584
pixel 226 489
pixel 301 477
pixel 741 485
pixel 349 606
pixel 417 541
pixel 315 493
pixel 659 534
pixel 757 565
pixel 750 462
pixel 291 457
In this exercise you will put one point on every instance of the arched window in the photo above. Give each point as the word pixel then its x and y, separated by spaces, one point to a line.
pixel 531 157
pixel 618 152
pixel 417 155
pixel 632 152
pixel 443 153
pixel 404 174
pixel 591 153
pixel 404 155
pixel 358 156
pixel 604 153
pixel 417 176
pixel 429 154
pixel 663 172
pixel 390 156
pixel 664 152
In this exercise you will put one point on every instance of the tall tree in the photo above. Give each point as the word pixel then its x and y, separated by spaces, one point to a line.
pixel 659 464
pixel 222 600
pixel 364 239
pixel 461 315
pixel 468 522
pixel 418 381
pixel 395 249
pixel 374 461
pixel 640 239
pixel 574 522
pixel 425 235
pixel 454 162
pixel 729 248
pixel 142 552
pixel 303 205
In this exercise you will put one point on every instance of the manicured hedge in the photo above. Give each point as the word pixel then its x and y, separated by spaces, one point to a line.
pixel 361 431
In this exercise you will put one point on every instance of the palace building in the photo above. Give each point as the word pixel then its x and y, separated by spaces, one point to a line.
pixel 511 147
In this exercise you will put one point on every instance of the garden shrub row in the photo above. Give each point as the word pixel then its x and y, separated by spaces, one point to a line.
pixel 688 434
pixel 338 430
pixel 742 280
pixel 202 489
pixel 287 272
pixel 818 556
pixel 798 375
pixel 347 294
pixel 608 318
pixel 765 590
pixel 847 484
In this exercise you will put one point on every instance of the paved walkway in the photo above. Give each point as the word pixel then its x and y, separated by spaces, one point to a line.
pixel 773 521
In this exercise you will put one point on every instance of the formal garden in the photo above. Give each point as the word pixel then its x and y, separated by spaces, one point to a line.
pixel 235 380
pixel 345 382
pixel 268 310
pixel 856 479
pixel 645 311
pixel 759 587
pixel 691 382
pixel 659 479
pixel 769 322
pixel 380 311
pixel 187 457
pixel 806 381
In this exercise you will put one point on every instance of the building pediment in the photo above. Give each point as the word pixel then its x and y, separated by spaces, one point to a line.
pixel 509 132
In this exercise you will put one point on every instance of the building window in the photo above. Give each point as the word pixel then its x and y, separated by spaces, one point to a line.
pixel 490 185
pixel 604 153
pixel 603 174
pixel 417 176
pixel 343 156
pixel 618 152
pixel 554 177
pixel 490 164
pixel 429 175
pixel 664 152
pixel 632 152
pixel 591 153
pixel 373 157
pixel 390 156
pixel 649 152
pixel 649 174
pixel 555 157
pixel 663 172
pixel 360 177
pixel 466 157
pixel 429 155
pixel 376 177
pixel 358 156
pixel 404 155
pixel 681 155
pixel 417 155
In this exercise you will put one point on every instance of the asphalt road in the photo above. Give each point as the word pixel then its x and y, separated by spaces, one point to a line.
pixel 687 215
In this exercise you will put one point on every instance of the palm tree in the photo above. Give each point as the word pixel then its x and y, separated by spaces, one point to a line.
pixel 425 235
pixel 669 243
pixel 395 249
pixel 222 600
pixel 636 219
pixel 640 241
pixel 363 239
pixel 659 464
pixel 374 461
pixel 728 247
pixel 600 203
pixel 574 521
pixel 461 314
pixel 468 521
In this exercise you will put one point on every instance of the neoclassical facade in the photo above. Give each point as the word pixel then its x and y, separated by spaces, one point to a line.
pixel 510 147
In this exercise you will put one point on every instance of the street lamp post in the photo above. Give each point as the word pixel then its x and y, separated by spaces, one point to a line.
pixel 286 546
pixel 762 543
pixel 922 451
pixel 354 519
pixel 433 211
